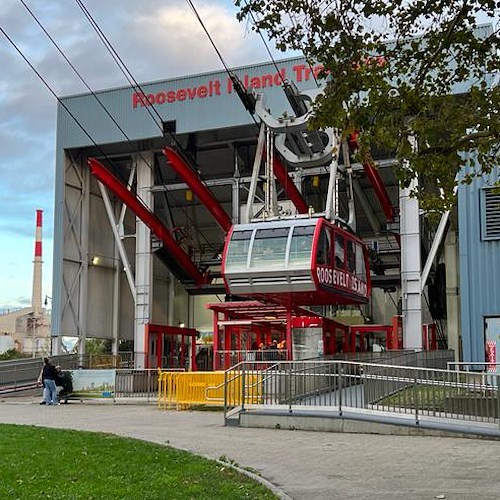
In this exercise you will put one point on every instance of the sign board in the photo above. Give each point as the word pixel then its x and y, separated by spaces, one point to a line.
pixel 93 383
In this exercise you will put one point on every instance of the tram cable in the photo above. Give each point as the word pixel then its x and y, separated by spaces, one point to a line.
pixel 87 86
pixel 66 108
pixel 119 61
pixel 247 98
pixel 59 100
pixel 150 109
pixel 72 66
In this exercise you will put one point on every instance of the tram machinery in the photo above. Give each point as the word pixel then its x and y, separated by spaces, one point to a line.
pixel 304 259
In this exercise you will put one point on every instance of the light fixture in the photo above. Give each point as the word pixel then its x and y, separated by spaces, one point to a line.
pixel 181 325
pixel 95 261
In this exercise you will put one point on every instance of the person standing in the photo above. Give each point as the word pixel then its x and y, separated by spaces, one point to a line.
pixel 48 379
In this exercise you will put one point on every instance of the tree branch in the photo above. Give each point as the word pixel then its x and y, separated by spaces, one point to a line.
pixel 476 136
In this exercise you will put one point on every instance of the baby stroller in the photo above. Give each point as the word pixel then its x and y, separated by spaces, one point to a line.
pixel 64 385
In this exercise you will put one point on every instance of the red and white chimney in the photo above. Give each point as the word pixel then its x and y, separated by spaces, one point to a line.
pixel 36 299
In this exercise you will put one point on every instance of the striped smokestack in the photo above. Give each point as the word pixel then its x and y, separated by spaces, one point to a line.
pixel 36 300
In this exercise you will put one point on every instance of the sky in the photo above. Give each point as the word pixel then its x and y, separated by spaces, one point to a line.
pixel 157 39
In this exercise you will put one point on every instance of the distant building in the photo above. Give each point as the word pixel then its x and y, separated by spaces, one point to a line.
pixel 30 334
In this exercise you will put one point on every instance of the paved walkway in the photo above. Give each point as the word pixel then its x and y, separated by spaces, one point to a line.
pixel 305 465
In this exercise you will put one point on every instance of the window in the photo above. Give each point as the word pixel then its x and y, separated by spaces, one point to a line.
pixel 351 256
pixel 324 254
pixel 339 251
pixel 269 248
pixel 490 214
pixel 238 250
pixel 360 263
pixel 301 246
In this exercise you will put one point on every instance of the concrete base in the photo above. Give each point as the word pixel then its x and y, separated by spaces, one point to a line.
pixel 336 424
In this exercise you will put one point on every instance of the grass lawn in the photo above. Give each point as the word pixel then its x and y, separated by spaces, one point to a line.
pixel 37 462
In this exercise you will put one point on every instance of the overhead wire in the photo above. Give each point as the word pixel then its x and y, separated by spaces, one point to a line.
pixel 115 122
pixel 87 86
pixel 59 100
pixel 238 86
pixel 265 44
pixel 66 108
pixel 240 90
pixel 119 61
pixel 150 109
pixel 313 73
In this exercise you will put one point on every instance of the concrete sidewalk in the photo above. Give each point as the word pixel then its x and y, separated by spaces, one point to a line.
pixel 305 465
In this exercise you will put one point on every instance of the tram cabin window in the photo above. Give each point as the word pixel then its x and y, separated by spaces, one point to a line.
pixel 301 246
pixel 269 247
pixel 339 251
pixel 351 256
pixel 238 249
pixel 360 263
pixel 324 255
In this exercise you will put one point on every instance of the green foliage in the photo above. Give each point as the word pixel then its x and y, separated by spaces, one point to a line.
pixel 12 354
pixel 97 346
pixel 63 464
pixel 398 68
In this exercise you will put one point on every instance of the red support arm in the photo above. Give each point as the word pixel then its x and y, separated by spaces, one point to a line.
pixel 375 180
pixel 199 189
pixel 290 188
pixel 100 172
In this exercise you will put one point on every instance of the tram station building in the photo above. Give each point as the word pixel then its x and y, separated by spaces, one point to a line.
pixel 115 278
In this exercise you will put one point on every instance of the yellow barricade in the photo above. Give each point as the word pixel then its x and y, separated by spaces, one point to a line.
pixel 182 390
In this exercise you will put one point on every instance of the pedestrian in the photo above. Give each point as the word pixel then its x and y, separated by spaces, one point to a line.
pixel 48 377
pixel 64 384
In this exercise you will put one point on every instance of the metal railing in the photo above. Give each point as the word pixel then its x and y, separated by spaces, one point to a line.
pixel 138 384
pixel 475 366
pixel 375 389
pixel 233 357
pixel 21 374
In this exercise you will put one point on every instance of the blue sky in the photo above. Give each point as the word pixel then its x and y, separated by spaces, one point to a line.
pixel 157 39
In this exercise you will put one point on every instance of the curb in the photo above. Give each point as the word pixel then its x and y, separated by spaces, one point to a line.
pixel 270 486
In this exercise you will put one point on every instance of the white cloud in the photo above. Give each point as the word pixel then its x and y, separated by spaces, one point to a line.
pixel 155 39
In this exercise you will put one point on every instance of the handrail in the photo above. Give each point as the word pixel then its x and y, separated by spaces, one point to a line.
pixel 373 387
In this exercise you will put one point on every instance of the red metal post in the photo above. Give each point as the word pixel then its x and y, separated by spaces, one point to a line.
pixel 159 349
pixel 289 337
pixel 425 339
pixel 199 189
pixel 182 353
pixel 146 343
pixel 216 340
pixel 194 366
pixel 99 171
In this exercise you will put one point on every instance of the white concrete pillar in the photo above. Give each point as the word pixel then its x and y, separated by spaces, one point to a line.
pixel 143 259
pixel 410 269
pixel 452 293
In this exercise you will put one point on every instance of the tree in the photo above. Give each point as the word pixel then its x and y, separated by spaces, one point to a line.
pixel 395 69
